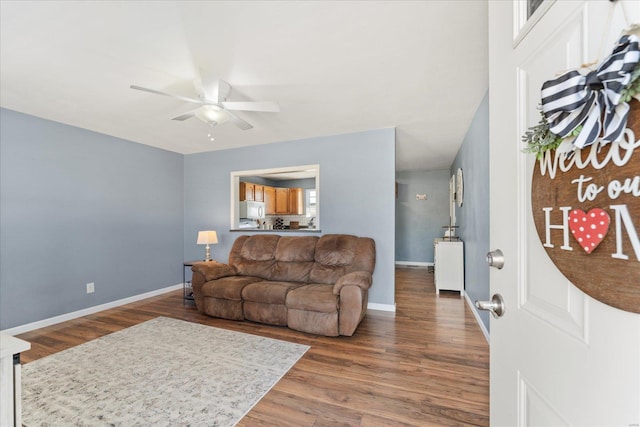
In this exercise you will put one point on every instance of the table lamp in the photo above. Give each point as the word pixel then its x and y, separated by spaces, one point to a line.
pixel 206 238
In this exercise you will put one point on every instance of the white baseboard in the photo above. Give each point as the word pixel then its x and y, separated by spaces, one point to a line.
pixel 415 263
pixel 381 307
pixel 474 310
pixel 86 311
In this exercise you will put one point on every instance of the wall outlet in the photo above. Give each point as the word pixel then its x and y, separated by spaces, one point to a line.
pixel 421 197
pixel 91 287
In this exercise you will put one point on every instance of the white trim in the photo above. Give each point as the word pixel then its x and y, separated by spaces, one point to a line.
pixel 381 307
pixel 415 263
pixel 235 188
pixel 86 311
pixel 521 24
pixel 474 310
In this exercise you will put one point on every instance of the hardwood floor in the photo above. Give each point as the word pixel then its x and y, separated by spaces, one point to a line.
pixel 427 365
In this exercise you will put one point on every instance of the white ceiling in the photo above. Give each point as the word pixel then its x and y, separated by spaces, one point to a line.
pixel 333 66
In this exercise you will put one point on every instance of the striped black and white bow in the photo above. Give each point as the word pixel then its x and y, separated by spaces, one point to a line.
pixel 592 101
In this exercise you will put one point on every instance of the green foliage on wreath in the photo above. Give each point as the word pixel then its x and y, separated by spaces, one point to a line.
pixel 540 139
pixel 633 87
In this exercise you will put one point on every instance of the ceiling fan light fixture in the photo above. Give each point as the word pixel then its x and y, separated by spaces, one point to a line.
pixel 213 107
pixel 212 114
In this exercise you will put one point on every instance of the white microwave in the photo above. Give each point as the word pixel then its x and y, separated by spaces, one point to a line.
pixel 252 210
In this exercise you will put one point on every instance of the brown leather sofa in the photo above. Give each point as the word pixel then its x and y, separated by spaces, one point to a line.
pixel 312 284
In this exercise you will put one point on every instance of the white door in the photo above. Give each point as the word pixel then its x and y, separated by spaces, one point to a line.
pixel 558 357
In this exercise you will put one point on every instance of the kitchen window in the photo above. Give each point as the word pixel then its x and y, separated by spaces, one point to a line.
pixel 310 203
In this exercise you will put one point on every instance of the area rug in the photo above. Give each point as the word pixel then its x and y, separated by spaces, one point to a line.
pixel 163 372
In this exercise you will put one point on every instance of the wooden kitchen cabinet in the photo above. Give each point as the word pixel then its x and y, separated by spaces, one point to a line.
pixel 258 193
pixel 296 201
pixel 282 201
pixel 269 200
pixel 246 191
pixel 251 192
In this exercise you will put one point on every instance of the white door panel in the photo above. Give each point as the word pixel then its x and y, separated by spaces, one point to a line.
pixel 545 292
pixel 535 409
pixel 558 357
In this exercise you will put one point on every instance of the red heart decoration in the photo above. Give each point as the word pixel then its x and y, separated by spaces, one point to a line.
pixel 589 228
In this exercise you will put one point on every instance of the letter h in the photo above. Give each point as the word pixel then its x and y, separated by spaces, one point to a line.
pixel 564 227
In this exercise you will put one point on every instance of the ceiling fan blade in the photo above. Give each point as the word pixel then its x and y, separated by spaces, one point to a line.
pixel 238 121
pixel 220 90
pixel 157 92
pixel 184 116
pixel 266 107
pixel 212 88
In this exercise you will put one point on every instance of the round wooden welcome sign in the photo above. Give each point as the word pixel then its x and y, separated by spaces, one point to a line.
pixel 586 208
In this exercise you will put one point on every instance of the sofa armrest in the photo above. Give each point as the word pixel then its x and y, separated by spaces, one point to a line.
pixel 213 270
pixel 204 272
pixel 361 279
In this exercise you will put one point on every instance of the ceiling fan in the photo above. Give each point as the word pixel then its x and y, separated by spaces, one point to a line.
pixel 213 107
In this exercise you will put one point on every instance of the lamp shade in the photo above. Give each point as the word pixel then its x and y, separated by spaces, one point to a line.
pixel 207 237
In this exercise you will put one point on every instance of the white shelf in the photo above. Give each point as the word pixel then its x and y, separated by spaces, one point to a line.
pixel 449 265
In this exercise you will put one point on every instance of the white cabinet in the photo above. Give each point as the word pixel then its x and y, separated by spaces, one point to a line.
pixel 11 405
pixel 449 265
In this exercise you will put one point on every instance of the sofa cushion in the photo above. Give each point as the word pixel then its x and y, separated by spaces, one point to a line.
pixel 262 269
pixel 332 253
pixel 260 247
pixel 228 287
pixel 291 271
pixel 336 249
pixel 314 297
pixel 268 292
pixel 327 274
pixel 296 248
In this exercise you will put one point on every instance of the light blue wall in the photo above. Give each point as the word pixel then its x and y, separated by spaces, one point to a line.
pixel 357 174
pixel 77 207
pixel 473 216
pixel 418 222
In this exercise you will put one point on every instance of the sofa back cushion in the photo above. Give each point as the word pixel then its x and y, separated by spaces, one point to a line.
pixel 254 255
pixel 294 258
pixel 296 248
pixel 260 248
pixel 339 254
pixel 307 259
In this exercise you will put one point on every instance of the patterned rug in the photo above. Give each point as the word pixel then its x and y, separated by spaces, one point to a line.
pixel 163 372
